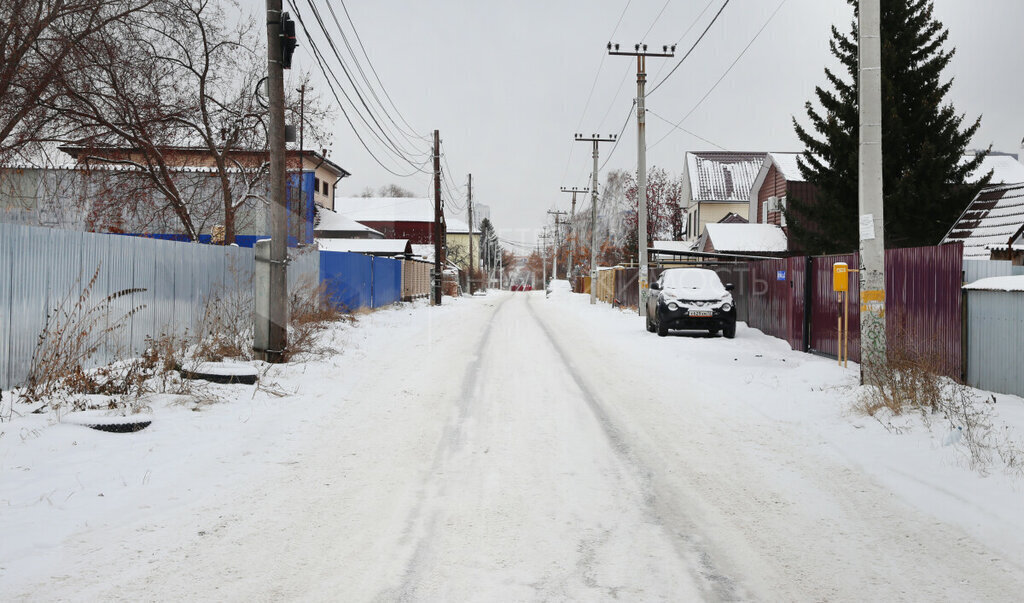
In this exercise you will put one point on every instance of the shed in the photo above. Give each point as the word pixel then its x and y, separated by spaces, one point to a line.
pixel 391 248
pixel 333 225
pixel 995 344
pixel 761 239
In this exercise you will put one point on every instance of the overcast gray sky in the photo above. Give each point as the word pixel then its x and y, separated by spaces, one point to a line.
pixel 507 85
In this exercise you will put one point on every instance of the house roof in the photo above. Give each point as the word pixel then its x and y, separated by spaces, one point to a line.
pixel 423 251
pixel 386 209
pixel 745 238
pixel 367 246
pixel 787 165
pixel 457 226
pixel 1005 169
pixel 722 175
pixel 733 218
pixel 327 220
pixel 990 219
pixel 110 150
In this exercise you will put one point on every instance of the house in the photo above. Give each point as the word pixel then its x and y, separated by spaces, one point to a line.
pixel 322 174
pixel 457 240
pixel 330 224
pixel 409 218
pixel 778 179
pixel 715 184
pixel 992 226
pixel 743 239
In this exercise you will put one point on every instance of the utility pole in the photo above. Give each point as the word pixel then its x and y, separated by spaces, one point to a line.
pixel 302 119
pixel 870 188
pixel 554 261
pixel 596 140
pixel 270 328
pixel 469 207
pixel 438 218
pixel 572 217
pixel 643 243
pixel 543 261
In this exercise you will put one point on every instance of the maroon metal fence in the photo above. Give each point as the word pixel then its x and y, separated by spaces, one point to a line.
pixel 826 307
pixel 923 304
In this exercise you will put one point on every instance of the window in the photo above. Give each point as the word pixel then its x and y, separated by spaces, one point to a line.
pixel 316 185
pixel 327 189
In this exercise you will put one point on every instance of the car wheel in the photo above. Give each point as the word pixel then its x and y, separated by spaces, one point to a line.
pixel 650 324
pixel 729 331
pixel 662 329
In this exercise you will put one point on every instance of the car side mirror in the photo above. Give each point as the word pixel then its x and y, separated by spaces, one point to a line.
pixel 655 287
pixel 729 286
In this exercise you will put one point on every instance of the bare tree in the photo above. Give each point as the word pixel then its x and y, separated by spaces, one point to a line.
pixel 37 40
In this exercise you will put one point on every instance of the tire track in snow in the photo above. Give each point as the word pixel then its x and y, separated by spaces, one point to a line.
pixel 718 587
pixel 450 442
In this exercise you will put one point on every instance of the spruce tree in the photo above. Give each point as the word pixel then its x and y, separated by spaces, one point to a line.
pixel 923 140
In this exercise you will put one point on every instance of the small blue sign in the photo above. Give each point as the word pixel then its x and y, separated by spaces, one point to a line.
pixel 780 275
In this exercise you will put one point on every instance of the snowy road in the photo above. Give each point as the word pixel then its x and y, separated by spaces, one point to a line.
pixel 503 450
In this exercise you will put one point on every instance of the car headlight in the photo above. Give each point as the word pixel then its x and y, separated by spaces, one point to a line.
pixel 726 307
pixel 673 306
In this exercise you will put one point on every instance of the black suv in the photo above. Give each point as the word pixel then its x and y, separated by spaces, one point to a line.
pixel 691 298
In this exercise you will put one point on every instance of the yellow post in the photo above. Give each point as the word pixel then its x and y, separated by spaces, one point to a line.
pixel 840 284
pixel 846 329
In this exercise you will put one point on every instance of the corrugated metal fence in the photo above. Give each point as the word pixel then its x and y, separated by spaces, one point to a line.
pixel 42 269
pixel 355 281
pixel 995 340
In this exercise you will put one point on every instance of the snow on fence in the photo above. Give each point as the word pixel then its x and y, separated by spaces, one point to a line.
pixel 42 269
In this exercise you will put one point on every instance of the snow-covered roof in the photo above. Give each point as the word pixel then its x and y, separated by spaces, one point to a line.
pixel 423 251
pixel 369 246
pixel 998 283
pixel 328 220
pixel 787 165
pixel 457 226
pixel 747 238
pixel 1005 169
pixel 386 209
pixel 722 176
pixel 991 219
pixel 673 245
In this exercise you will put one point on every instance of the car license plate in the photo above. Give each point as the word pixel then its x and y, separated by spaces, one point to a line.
pixel 700 313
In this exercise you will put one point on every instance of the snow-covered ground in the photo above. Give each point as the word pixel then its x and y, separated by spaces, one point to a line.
pixel 511 447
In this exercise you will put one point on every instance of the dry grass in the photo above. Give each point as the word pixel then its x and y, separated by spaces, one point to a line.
pixel 309 313
pixel 912 384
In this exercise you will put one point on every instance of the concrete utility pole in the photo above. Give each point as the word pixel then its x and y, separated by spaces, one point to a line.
pixel 596 140
pixel 438 218
pixel 270 329
pixel 643 243
pixel 543 261
pixel 554 261
pixel 870 187
pixel 572 217
pixel 469 208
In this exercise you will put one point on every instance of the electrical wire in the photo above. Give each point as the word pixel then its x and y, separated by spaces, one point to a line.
pixel 411 133
pixel 348 75
pixel 731 66
pixel 678 127
pixel 692 48
pixel 685 33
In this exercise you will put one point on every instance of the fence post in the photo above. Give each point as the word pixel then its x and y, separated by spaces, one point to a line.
pixel 808 301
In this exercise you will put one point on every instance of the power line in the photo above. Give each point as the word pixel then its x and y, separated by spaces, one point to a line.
pixel 737 60
pixel 688 30
pixel 692 48
pixel 678 127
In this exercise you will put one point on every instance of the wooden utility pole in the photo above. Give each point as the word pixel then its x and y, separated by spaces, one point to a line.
pixel 594 138
pixel 271 330
pixel 643 242
pixel 572 217
pixel 469 208
pixel 870 187
pixel 438 218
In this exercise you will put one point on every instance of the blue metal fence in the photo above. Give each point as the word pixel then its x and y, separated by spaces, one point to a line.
pixel 355 281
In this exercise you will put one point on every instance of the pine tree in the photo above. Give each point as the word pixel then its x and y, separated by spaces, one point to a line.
pixel 923 141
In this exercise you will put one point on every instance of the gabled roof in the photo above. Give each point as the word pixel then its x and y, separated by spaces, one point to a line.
pixel 722 175
pixel 457 226
pixel 1005 169
pixel 386 209
pixel 745 238
pixel 733 218
pixel 327 221
pixel 787 165
pixel 990 219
